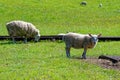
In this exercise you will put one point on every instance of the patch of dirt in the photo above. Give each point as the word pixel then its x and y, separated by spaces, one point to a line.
pixel 104 63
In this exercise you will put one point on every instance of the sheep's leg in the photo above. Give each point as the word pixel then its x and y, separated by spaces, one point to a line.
pixel 67 51
pixel 84 53
pixel 25 40
pixel 68 46
pixel 13 39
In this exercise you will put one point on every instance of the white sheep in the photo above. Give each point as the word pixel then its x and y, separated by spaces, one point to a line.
pixel 77 41
pixel 22 29
pixel 84 3
pixel 100 5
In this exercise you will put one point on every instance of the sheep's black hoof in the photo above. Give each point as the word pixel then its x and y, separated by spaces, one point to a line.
pixel 68 56
pixel 14 42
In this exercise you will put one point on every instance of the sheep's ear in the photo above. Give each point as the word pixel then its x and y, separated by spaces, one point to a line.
pixel 99 35
pixel 90 35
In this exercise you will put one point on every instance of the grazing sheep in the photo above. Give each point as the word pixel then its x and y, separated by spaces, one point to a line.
pixel 84 3
pixel 77 41
pixel 100 5
pixel 22 29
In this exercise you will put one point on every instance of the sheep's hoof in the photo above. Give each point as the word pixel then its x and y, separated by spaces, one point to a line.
pixel 25 42
pixel 68 56
pixel 14 42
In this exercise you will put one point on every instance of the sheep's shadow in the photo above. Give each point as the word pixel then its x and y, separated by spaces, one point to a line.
pixel 76 57
pixel 80 58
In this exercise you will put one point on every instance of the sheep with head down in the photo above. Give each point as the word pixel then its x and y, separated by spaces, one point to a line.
pixel 83 3
pixel 78 41
pixel 22 29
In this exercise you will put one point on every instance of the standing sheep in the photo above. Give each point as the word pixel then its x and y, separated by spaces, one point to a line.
pixel 22 29
pixel 100 5
pixel 77 41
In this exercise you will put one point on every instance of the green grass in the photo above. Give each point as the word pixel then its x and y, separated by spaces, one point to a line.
pixel 47 60
pixel 56 16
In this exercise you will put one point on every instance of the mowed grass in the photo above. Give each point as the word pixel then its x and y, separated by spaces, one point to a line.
pixel 53 16
pixel 47 60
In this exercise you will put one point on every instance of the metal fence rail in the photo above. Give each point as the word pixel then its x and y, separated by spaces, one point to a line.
pixel 109 38
pixel 58 37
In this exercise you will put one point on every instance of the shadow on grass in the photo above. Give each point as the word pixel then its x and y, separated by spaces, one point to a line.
pixel 80 58
pixel 76 57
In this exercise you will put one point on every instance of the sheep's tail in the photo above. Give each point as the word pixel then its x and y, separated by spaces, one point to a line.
pixel 62 36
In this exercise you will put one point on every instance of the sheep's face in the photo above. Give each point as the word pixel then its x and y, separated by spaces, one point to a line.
pixel 37 37
pixel 94 38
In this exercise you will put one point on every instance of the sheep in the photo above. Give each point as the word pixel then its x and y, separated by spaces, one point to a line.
pixel 100 5
pixel 22 29
pixel 78 41
pixel 84 3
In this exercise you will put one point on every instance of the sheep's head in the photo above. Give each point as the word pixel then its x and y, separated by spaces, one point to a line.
pixel 94 38
pixel 37 37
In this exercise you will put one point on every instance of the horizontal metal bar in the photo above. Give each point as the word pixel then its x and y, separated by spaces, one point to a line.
pixel 59 37
pixel 109 38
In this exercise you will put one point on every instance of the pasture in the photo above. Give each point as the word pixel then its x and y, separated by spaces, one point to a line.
pixel 47 60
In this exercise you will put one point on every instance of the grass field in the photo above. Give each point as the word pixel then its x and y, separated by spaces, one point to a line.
pixel 46 60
